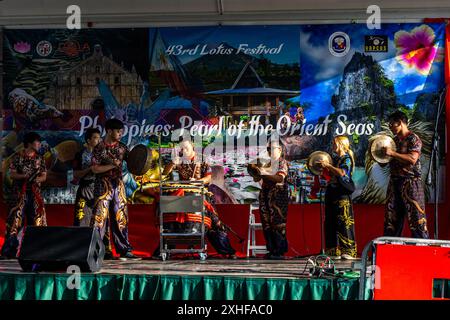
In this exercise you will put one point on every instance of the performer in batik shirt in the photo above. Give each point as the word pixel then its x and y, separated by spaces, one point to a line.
pixel 273 201
pixel 85 200
pixel 109 189
pixel 190 168
pixel 27 170
pixel 339 218
pixel 405 195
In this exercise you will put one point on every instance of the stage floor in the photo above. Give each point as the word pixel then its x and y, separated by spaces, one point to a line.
pixel 289 269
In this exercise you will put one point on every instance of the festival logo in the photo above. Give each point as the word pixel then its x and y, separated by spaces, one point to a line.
pixel 376 44
pixel 73 48
pixel 44 48
pixel 339 44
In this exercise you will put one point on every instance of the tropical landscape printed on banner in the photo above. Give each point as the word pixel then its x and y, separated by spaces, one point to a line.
pixel 405 71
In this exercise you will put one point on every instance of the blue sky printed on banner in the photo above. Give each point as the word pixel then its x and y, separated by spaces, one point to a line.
pixel 321 72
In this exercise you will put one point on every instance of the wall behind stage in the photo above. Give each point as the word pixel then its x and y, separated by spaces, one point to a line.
pixel 311 82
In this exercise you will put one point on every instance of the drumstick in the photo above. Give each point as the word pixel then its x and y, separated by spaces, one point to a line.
pixel 195 169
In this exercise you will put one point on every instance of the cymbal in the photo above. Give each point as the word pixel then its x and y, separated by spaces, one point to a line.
pixel 314 158
pixel 376 148
pixel 254 171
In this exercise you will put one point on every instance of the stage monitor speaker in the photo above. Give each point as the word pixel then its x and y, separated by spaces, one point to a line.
pixel 57 248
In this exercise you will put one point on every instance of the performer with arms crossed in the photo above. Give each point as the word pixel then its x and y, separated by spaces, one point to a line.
pixel 109 189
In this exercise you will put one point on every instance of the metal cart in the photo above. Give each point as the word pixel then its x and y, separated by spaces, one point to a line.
pixel 182 204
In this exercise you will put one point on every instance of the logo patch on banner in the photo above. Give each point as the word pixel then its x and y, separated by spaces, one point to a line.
pixel 44 48
pixel 375 44
pixel 339 44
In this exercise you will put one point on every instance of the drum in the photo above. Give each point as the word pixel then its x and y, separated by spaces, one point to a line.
pixel 186 222
pixel 141 159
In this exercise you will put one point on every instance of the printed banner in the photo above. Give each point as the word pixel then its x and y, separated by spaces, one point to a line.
pixel 227 87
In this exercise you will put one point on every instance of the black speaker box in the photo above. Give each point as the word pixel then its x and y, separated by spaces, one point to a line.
pixel 57 248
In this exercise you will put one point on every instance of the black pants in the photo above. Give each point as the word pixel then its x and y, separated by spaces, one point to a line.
pixel 273 208
pixel 405 197
pixel 29 207
pixel 84 207
pixel 339 224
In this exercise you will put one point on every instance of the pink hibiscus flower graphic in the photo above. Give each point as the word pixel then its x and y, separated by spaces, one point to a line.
pixel 417 49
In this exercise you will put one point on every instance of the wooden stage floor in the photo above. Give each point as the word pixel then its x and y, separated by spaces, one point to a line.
pixel 254 268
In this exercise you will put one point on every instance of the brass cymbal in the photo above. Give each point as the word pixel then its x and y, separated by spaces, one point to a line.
pixel 314 158
pixel 253 170
pixel 376 148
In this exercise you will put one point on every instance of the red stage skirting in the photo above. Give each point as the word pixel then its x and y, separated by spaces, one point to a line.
pixel 303 225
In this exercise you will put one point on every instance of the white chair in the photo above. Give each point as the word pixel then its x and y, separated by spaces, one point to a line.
pixel 252 248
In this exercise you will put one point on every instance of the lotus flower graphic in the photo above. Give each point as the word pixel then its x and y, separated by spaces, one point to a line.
pixel 22 47
pixel 417 49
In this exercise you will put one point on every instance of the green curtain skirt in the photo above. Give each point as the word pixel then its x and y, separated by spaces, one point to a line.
pixel 30 286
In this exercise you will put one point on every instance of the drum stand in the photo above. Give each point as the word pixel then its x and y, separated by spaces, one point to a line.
pixel 182 204
pixel 322 219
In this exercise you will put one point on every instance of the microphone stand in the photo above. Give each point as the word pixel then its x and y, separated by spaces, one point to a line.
pixel 434 163
pixel 322 188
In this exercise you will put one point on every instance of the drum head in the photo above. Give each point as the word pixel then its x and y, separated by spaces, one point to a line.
pixel 139 160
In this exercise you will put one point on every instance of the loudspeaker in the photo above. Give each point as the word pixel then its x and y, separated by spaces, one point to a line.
pixel 57 248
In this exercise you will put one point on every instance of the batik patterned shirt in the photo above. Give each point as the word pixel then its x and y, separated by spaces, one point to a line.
pixel 82 161
pixel 26 164
pixel 282 170
pixel 408 144
pixel 105 154
pixel 192 169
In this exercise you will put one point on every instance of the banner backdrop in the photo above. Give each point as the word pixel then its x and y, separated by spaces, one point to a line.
pixel 306 83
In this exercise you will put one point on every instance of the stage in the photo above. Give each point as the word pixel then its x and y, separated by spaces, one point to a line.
pixel 185 279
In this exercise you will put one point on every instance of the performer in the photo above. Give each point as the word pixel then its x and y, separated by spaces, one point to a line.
pixel 189 167
pixel 273 202
pixel 109 190
pixel 27 170
pixel 405 195
pixel 85 200
pixel 339 218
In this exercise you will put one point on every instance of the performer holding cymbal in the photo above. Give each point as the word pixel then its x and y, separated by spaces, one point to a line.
pixel 405 195
pixel 339 220
pixel 273 200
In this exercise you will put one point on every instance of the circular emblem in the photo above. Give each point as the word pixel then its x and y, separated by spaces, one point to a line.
pixel 339 44
pixel 44 48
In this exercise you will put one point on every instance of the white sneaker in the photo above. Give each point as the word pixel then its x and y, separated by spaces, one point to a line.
pixel 335 257
pixel 348 257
